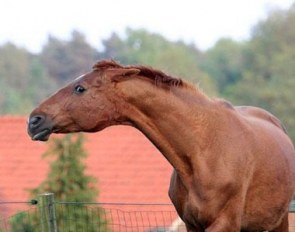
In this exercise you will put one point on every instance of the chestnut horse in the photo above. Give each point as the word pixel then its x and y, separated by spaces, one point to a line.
pixel 234 167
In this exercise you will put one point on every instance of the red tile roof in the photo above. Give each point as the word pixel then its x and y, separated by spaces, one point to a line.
pixel 127 166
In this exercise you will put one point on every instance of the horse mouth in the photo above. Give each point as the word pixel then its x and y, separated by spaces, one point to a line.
pixel 42 135
pixel 39 127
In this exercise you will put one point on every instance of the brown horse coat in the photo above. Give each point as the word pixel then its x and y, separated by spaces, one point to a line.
pixel 234 167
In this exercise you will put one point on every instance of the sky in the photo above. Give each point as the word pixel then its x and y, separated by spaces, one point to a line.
pixel 27 23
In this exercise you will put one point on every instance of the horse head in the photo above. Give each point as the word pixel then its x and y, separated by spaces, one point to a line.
pixel 89 103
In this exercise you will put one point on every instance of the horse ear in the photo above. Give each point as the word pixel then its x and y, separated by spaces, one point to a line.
pixel 118 74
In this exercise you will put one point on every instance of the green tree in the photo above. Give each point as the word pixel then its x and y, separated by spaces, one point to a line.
pixel 23 80
pixel 67 180
pixel 21 223
pixel 14 73
pixel 66 60
pixel 224 62
pixel 268 75
pixel 14 65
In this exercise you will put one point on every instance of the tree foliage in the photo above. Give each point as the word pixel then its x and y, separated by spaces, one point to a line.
pixel 268 73
pixel 259 71
pixel 23 80
pixel 224 63
pixel 66 178
pixel 66 60
pixel 69 183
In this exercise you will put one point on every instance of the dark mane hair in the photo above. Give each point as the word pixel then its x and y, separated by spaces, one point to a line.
pixel 157 76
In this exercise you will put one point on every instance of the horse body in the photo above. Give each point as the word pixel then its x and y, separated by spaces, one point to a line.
pixel 250 191
pixel 233 166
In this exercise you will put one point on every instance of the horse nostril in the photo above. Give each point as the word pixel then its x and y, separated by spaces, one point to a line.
pixel 36 121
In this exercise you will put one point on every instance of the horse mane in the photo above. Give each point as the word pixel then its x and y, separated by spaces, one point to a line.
pixel 105 64
pixel 157 76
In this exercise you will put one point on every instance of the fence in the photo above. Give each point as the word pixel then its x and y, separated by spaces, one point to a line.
pixel 48 215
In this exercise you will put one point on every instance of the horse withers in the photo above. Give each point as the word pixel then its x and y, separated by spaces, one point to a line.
pixel 234 167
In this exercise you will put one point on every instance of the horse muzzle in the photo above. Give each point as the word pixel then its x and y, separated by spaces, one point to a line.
pixel 39 127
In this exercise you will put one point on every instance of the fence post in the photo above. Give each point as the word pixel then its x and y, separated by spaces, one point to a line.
pixel 47 212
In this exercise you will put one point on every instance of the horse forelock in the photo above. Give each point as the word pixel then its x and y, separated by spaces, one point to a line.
pixel 157 76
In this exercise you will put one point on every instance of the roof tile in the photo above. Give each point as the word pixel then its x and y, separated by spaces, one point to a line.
pixel 127 166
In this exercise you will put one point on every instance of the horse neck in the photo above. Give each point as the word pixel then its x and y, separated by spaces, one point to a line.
pixel 171 120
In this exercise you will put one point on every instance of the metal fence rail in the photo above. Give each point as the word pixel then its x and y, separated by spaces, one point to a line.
pixel 113 219
pixel 52 216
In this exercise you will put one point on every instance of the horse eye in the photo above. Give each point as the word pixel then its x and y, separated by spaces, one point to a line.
pixel 79 89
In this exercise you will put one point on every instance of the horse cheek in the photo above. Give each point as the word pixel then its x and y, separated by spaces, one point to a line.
pixel 92 112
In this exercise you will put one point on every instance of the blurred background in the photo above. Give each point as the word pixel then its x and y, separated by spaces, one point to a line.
pixel 240 50
pixel 243 51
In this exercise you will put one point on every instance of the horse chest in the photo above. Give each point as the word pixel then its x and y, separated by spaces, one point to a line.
pixel 187 205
